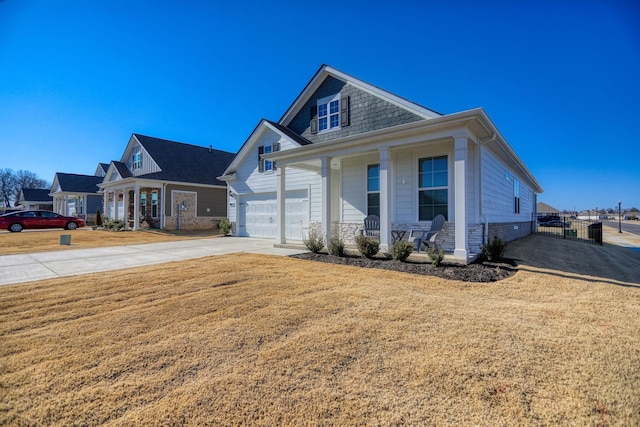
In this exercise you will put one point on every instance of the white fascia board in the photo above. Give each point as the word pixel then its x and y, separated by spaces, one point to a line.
pixel 141 182
pixel 250 142
pixel 246 147
pixel 451 123
pixel 129 148
pixel 226 178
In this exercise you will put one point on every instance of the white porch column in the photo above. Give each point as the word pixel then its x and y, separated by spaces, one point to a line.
pixel 136 207
pixel 385 198
pixel 125 208
pixel 326 198
pixel 65 208
pixel 461 250
pixel 116 196
pixel 281 205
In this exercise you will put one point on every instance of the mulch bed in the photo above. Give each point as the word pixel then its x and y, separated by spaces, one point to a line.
pixel 476 272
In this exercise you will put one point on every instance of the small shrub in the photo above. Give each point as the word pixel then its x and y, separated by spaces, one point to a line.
pixel 314 241
pixel 225 226
pixel 114 225
pixel 401 250
pixel 98 218
pixel 368 246
pixel 494 249
pixel 336 246
pixel 436 254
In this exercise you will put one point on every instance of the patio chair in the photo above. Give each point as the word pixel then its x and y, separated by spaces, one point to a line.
pixel 371 226
pixel 428 237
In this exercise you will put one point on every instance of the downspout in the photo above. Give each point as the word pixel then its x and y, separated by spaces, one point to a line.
pixel 485 234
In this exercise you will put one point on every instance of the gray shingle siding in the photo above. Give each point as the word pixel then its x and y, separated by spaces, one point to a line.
pixel 367 112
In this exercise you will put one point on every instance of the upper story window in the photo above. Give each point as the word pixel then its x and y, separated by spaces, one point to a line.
pixel 373 190
pixel 329 113
pixel 263 164
pixel 433 187
pixel 136 161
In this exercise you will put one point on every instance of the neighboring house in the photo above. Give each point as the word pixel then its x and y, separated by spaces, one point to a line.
pixel 545 209
pixel 345 149
pixel 76 195
pixel 35 199
pixel 166 184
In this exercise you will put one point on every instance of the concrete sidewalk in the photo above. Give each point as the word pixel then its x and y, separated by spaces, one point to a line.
pixel 47 265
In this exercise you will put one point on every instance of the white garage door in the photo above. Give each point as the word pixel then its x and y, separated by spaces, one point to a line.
pixel 258 215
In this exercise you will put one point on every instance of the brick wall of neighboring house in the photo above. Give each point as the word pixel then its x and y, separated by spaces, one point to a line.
pixel 188 218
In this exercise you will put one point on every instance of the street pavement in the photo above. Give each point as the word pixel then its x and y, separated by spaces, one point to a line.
pixel 47 265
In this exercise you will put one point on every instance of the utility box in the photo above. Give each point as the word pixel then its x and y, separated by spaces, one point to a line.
pixel 65 239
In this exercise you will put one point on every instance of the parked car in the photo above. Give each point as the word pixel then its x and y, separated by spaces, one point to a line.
pixel 555 223
pixel 548 218
pixel 17 221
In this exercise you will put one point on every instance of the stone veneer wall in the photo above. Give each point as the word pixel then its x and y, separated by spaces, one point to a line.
pixel 510 231
pixel 348 231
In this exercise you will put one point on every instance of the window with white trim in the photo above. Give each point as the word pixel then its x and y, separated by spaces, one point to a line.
pixel 433 187
pixel 373 190
pixel 329 113
pixel 263 164
pixel 154 204
pixel 136 161
pixel 267 164
pixel 143 204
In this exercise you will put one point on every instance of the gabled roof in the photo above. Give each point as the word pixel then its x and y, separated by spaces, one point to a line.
pixel 326 71
pixel 257 131
pixel 102 169
pixel 181 162
pixel 545 208
pixel 36 195
pixel 122 169
pixel 289 133
pixel 74 183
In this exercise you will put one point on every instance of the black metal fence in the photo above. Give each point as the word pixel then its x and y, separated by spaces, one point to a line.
pixel 568 227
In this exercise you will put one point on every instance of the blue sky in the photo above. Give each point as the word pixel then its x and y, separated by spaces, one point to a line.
pixel 560 79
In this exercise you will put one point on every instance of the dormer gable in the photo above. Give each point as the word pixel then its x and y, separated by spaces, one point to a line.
pixel 266 133
pixel 116 172
pixel 335 105
pixel 137 160
pixel 101 170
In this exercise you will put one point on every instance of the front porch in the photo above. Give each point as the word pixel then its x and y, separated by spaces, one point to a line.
pixel 401 191
pixel 137 206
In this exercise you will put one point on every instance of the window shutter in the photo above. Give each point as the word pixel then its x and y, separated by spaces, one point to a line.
pixel 344 111
pixel 260 162
pixel 275 147
pixel 314 120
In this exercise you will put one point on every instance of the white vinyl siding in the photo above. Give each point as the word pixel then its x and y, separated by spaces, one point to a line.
pixel 498 191
pixel 147 164
pixel 249 181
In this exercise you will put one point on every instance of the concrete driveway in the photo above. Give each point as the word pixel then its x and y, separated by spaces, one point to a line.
pixel 47 265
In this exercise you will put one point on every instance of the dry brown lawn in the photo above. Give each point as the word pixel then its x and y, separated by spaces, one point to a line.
pixel 260 340
pixel 84 238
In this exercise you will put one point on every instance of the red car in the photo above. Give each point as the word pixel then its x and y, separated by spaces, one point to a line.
pixel 16 221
